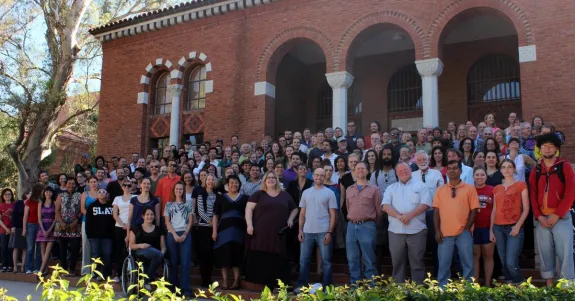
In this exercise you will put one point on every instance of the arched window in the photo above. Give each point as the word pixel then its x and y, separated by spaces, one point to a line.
pixel 493 78
pixel 162 104
pixel 404 90
pixel 197 89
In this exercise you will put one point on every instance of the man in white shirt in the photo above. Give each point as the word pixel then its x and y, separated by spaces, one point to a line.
pixel 432 179
pixel 405 203
pixel 466 171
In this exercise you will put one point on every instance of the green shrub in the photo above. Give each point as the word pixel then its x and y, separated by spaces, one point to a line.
pixel 58 289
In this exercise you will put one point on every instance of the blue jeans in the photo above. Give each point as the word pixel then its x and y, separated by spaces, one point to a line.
pixel 556 242
pixel 102 248
pixel 306 252
pixel 362 238
pixel 180 253
pixel 464 243
pixel 509 247
pixel 154 258
pixel 33 257
pixel 6 252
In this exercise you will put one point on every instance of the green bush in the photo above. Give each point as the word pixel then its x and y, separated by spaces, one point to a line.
pixel 58 289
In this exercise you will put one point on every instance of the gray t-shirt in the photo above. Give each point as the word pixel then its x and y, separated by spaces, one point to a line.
pixel 317 202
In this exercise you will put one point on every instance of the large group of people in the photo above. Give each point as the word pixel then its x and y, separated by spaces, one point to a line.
pixel 264 210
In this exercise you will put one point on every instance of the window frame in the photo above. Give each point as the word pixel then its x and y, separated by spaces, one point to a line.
pixel 165 106
pixel 200 101
pixel 404 90
pixel 493 78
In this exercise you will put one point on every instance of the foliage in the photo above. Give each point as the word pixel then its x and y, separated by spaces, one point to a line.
pixel 8 172
pixel 56 288
pixel 47 55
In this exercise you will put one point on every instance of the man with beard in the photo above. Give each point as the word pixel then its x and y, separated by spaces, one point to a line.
pixel 383 177
pixel 394 136
pixel 316 152
pixel 114 188
pixel 552 184
pixel 432 179
pixel 115 165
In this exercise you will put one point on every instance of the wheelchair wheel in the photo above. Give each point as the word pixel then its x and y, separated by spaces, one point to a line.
pixel 129 276
pixel 166 272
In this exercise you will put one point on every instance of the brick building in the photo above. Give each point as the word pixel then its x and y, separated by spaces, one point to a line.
pixel 211 69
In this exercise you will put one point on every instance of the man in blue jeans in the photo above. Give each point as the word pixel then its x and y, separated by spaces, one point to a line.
pixel 363 201
pixel 455 205
pixel 317 221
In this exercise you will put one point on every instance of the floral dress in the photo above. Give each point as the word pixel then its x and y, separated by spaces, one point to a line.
pixel 69 210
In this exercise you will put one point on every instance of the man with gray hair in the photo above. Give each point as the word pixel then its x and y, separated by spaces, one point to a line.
pixel 405 203
pixel 487 133
pixel 432 179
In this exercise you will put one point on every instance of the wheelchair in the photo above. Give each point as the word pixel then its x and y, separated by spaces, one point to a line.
pixel 130 273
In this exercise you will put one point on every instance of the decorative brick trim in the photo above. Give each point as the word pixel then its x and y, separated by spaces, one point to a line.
pixel 145 79
pixel 343 61
pixel 264 88
pixel 193 58
pixel 283 43
pixel 175 15
pixel 509 8
pixel 527 53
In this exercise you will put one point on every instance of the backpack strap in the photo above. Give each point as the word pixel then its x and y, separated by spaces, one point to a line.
pixel 376 175
pixel 559 172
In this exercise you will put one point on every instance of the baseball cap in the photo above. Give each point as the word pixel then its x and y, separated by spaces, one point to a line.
pixel 340 139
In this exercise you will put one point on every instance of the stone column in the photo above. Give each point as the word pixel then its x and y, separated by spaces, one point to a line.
pixel 174 92
pixel 430 70
pixel 340 82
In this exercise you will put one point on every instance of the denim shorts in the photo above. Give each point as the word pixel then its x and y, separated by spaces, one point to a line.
pixel 481 236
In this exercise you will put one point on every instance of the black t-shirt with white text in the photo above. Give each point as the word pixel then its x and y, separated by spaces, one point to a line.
pixel 100 220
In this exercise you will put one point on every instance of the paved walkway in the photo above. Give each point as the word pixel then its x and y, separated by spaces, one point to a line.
pixel 21 290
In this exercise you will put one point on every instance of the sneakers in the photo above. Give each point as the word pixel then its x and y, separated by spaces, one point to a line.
pixel 148 287
pixel 4 270
pixel 116 279
pixel 28 272
pixel 35 272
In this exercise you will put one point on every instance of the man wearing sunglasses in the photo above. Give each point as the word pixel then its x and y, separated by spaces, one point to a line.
pixel 455 205
pixel 167 183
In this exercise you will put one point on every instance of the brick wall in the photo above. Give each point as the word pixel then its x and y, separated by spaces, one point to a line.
pixel 241 46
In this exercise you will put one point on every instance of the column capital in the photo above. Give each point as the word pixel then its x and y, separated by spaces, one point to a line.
pixel 342 79
pixel 174 89
pixel 429 67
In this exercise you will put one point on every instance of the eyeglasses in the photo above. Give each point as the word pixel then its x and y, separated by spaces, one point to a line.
pixel 172 165
pixel 154 166
pixel 102 191
pixel 127 185
pixel 453 190
pixel 134 183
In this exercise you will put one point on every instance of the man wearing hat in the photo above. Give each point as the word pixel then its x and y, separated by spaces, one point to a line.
pixel 342 147
pixel 552 185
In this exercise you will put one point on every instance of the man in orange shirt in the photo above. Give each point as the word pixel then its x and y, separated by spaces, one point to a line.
pixel 166 185
pixel 455 205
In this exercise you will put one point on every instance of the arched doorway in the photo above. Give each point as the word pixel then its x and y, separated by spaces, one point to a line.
pixel 300 84
pixel 479 50
pixel 380 54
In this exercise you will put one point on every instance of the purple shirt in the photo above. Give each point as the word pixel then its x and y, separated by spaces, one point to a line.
pixel 290 174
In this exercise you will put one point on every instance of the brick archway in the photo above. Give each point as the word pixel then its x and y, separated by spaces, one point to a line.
pixel 192 59
pixel 508 8
pixel 281 44
pixel 343 53
pixel 146 79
